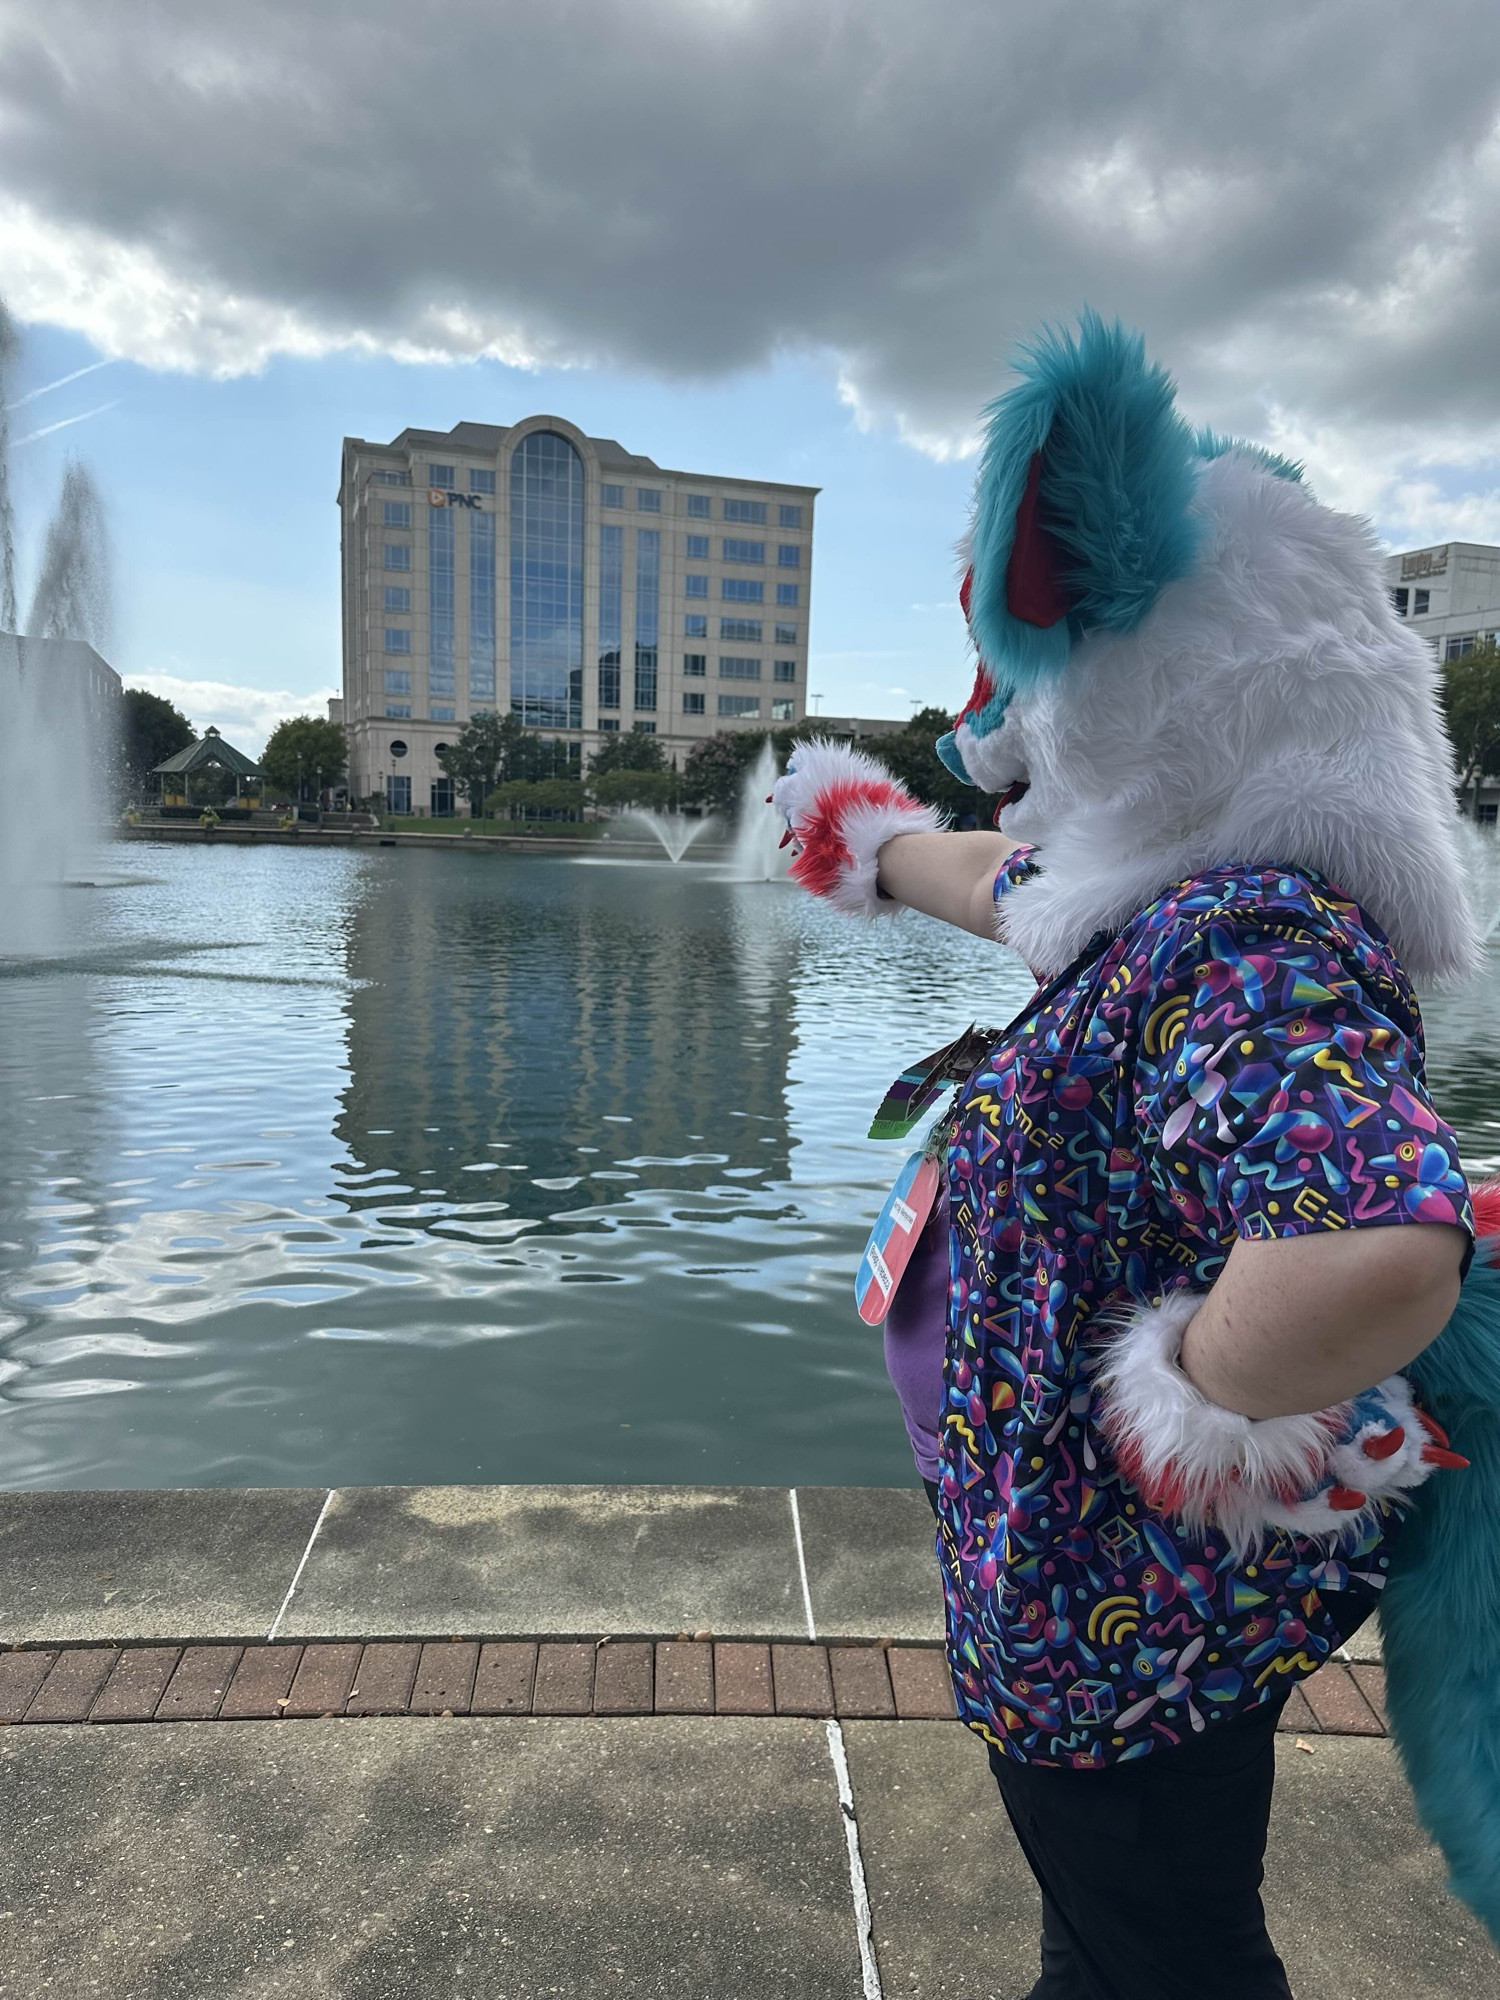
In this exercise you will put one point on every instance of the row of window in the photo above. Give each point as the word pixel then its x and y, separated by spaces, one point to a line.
pixel 482 615
pixel 1402 599
pixel 1459 645
pixel 742 590
pixel 750 513
pixel 695 626
pixel 734 549
pixel 736 667
pixel 734 589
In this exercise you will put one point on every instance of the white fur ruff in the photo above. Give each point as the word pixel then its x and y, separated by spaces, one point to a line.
pixel 1271 709
pixel 808 797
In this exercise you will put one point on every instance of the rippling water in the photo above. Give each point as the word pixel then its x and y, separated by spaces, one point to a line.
pixel 365 1167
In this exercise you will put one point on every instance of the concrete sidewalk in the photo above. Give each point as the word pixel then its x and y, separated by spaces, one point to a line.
pixel 625 1851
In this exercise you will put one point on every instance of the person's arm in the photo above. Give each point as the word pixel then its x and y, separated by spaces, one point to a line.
pixel 1299 1323
pixel 950 876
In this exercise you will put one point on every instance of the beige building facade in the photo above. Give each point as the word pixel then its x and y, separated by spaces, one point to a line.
pixel 585 589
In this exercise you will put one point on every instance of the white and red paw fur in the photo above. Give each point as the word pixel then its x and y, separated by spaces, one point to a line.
pixel 841 807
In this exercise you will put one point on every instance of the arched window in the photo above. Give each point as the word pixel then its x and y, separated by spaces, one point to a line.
pixel 546 583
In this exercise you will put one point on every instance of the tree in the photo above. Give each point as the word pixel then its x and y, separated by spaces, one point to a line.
pixel 1470 696
pixel 527 796
pixel 634 788
pixel 298 750
pixel 714 775
pixel 480 756
pixel 152 730
pixel 628 750
pixel 910 754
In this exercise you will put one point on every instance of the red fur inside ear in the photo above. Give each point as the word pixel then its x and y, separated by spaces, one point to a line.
pixel 984 691
pixel 1034 590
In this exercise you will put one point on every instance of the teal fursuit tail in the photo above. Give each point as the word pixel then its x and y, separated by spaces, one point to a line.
pixel 1440 1611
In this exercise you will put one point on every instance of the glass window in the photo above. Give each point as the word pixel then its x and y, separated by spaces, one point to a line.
pixel 395 513
pixel 734 667
pixel 743 590
pixel 398 597
pixel 398 793
pixel 647 500
pixel 611 612
pixel 440 475
pixel 644 728
pixel 441 798
pixel 740 628
pixel 788 555
pixel 397 680
pixel 752 512
pixel 1402 601
pixel 647 613
pixel 611 496
pixel 546 583
pixel 695 547
pixel 695 663
pixel 739 704
pixel 398 555
pixel 783 711
pixel 387 475
pixel 398 746
pixel 737 550
pixel 786 635
pixel 397 639
pixel 608 724
pixel 693 701
pixel 442 536
pixel 1420 599
pixel 1459 645
pixel 401 710
pixel 697 506
pixel 695 586
pixel 789 517
pixel 784 670
pixel 695 626
pixel 786 593
pixel 1486 815
pixel 482 609
pixel 481 479
pixel 442 712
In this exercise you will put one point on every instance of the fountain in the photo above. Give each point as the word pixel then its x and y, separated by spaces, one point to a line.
pixel 758 854
pixel 675 831
pixel 1479 851
pixel 55 722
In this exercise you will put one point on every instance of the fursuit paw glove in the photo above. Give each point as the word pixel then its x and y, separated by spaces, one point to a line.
pixel 841 807
pixel 1320 1475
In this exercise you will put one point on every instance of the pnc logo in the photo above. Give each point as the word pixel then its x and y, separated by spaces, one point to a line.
pixel 438 496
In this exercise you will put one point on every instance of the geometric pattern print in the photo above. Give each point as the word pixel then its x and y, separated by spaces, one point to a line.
pixel 1245 1059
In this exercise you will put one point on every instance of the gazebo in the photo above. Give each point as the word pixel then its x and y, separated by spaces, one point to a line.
pixel 210 752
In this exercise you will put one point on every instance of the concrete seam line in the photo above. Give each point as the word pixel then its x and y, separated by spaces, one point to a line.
pixel 812 1630
pixel 297 1573
pixel 863 1923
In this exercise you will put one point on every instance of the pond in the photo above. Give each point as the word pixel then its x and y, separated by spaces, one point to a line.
pixel 369 1166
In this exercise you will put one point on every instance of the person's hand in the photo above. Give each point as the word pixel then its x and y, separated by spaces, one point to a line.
pixel 841 807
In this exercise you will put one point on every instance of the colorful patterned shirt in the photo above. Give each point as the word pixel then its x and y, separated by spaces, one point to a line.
pixel 1244 1059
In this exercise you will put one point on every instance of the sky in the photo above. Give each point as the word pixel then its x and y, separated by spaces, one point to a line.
pixel 778 239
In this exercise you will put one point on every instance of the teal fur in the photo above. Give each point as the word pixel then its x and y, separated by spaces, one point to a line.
pixel 1440 1611
pixel 1119 476
pixel 1213 444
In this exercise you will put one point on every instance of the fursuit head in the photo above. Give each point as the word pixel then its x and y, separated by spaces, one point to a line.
pixel 1186 662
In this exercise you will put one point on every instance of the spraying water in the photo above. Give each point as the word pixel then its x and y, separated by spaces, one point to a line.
pixel 71 600
pixel 675 831
pixel 758 854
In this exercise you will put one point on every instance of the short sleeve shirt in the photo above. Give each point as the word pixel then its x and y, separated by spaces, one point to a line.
pixel 1244 1059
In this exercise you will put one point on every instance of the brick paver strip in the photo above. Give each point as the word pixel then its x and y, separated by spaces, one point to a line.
pixel 921 1684
pixel 137 1684
pixel 21 1674
pixel 445 1678
pixel 72 1687
pixel 564 1680
pixel 861 1684
pixel 383 1683
pixel 802 1681
pixel 684 1678
pixel 262 1681
pixel 502 1686
pixel 1297 1719
pixel 197 1689
pixel 622 1678
pixel 1370 1680
pixel 324 1678
pixel 1338 1704
pixel 742 1679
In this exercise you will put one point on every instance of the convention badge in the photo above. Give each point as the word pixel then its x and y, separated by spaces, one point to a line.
pixel 917 1089
pixel 894 1237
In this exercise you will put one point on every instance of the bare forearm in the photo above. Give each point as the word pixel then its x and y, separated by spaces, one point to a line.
pixel 1304 1322
pixel 947 875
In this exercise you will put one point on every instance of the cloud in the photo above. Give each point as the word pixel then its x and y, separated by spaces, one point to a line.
pixel 1298 204
pixel 245 715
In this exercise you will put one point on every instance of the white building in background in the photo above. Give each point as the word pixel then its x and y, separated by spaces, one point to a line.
pixel 582 587
pixel 1450 594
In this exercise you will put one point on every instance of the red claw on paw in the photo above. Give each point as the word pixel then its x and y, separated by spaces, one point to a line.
pixel 785 840
pixel 1433 1428
pixel 1344 1499
pixel 1384 1447
pixel 1437 1454
pixel 770 798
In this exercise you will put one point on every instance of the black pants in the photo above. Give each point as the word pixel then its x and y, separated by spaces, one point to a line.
pixel 1150 1871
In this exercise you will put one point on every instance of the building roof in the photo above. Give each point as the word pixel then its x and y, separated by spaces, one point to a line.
pixel 209 749
pixel 611 453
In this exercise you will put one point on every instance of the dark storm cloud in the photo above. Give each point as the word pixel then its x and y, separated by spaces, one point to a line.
pixel 1298 202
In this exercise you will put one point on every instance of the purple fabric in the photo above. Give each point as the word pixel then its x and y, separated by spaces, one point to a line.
pixel 916 1336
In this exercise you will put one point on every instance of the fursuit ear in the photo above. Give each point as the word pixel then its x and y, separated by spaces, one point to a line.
pixel 1083 506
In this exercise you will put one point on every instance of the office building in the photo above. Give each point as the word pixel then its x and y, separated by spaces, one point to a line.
pixel 1450 594
pixel 581 587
